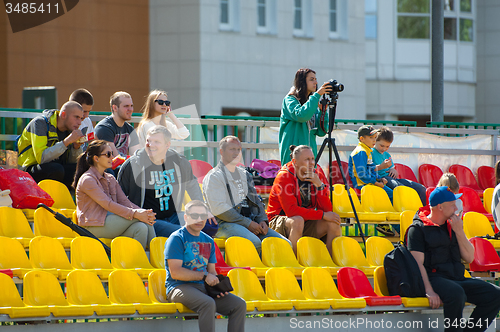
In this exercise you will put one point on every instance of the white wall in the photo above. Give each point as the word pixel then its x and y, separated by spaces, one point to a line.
pixel 488 61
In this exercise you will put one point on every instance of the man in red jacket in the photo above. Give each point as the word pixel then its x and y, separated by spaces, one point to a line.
pixel 299 204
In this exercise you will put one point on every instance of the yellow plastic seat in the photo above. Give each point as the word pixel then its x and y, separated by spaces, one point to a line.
pixel 157 252
pixel 380 287
pixel 241 252
pixel 488 198
pixel 277 252
pixel 376 249
pixel 220 242
pixel 85 288
pixel 88 254
pixel 11 303
pixel 477 224
pixel 317 284
pixel 128 253
pixel 247 286
pixel 282 285
pixel 348 252
pixel 126 287
pixel 312 252
pixel 13 224
pixel 29 213
pixel 158 291
pixel 375 199
pixel 13 256
pixel 405 222
pixel 61 196
pixel 42 288
pixel 47 225
pixel 48 253
pixel 406 198
pixel 342 206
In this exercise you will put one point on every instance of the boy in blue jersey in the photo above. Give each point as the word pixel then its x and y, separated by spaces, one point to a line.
pixel 382 158
pixel 190 261
pixel 363 171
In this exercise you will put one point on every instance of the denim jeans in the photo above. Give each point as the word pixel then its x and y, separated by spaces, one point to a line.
pixel 165 227
pixel 228 229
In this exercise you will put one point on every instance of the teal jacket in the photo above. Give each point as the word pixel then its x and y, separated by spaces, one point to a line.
pixel 294 126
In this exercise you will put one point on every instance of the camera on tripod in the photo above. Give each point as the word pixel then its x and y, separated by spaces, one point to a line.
pixel 336 87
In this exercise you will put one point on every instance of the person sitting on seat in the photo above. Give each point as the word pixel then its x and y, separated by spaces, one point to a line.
pixel 48 147
pixel 101 206
pixel 230 193
pixel 299 204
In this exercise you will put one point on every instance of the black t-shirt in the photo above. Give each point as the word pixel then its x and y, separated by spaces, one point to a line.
pixel 123 137
pixel 159 191
pixel 305 193
pixel 416 240
pixel 245 208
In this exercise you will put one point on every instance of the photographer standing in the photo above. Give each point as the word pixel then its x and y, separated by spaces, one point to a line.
pixel 300 113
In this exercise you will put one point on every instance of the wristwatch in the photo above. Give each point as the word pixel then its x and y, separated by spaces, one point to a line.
pixel 205 276
pixel 321 187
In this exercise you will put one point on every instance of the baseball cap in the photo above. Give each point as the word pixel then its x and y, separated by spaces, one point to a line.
pixel 441 195
pixel 366 130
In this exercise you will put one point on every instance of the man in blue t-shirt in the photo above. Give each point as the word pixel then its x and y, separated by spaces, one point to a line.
pixel 190 261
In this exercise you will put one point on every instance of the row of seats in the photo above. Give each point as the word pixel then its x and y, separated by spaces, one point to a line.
pixel 86 297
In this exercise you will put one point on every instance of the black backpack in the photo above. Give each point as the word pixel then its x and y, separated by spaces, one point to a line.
pixel 402 273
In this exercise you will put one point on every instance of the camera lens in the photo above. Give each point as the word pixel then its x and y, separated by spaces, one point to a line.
pixel 336 87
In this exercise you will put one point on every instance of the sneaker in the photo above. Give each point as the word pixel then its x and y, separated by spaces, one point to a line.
pixel 385 229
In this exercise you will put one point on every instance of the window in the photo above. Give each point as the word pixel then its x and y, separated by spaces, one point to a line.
pixel 266 16
pixel 414 19
pixel 297 17
pixel 229 15
pixel 302 18
pixel 371 19
pixel 333 16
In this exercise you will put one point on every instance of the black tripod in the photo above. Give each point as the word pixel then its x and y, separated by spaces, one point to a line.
pixel 332 106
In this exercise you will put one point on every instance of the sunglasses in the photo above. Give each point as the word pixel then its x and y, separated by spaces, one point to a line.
pixel 163 102
pixel 108 154
pixel 195 216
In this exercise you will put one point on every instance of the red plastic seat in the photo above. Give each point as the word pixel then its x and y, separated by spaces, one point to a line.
pixel 7 272
pixel 429 175
pixel 353 283
pixel 200 169
pixel 405 172
pixel 486 177
pixel 485 256
pixel 275 162
pixel 472 202
pixel 337 176
pixel 221 266
pixel 263 190
pixel 466 178
pixel 428 193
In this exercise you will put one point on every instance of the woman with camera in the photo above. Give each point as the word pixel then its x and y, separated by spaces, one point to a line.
pixel 300 113
pixel 154 112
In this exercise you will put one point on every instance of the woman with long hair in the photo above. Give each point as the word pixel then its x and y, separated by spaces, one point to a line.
pixel 155 111
pixel 300 113
pixel 101 205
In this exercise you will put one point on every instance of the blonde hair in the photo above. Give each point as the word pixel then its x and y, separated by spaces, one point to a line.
pixel 148 110
pixel 115 99
pixel 449 180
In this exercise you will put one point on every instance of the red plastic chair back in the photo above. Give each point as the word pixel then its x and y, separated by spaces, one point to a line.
pixel 337 176
pixel 428 193
pixel 465 177
pixel 486 177
pixel 471 201
pixel 200 169
pixel 275 162
pixel 7 272
pixel 405 172
pixel 353 282
pixel 221 266
pixel 429 175
pixel 485 256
